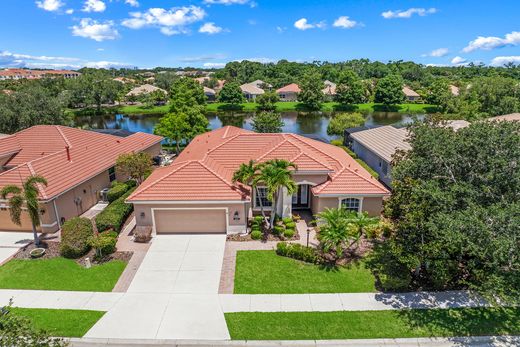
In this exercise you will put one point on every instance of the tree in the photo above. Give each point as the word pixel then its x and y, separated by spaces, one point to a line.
pixel 165 80
pixel 175 128
pixel 439 94
pixel 267 101
pixel 267 122
pixel 28 195
pixel 342 121
pixel 455 208
pixel 389 90
pixel 350 89
pixel 18 331
pixel 276 176
pixel 231 94
pixel 311 94
pixel 136 166
pixel 93 88
pixel 186 93
pixel 246 174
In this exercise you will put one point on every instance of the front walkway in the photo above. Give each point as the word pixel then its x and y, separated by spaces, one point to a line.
pixel 11 242
pixel 94 210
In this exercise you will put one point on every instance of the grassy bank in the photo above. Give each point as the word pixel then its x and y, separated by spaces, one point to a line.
pixel 265 272
pixel 62 323
pixel 286 107
pixel 373 324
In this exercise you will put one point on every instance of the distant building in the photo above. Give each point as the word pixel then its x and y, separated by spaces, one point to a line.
pixel 17 74
pixel 210 93
pixel 219 86
pixel 455 91
pixel 507 117
pixel 124 80
pixel 289 92
pixel 410 94
pixel 329 90
pixel 144 89
pixel 262 85
pixel 251 91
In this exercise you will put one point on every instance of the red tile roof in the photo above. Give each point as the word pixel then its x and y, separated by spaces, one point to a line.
pixel 204 170
pixel 290 88
pixel 42 150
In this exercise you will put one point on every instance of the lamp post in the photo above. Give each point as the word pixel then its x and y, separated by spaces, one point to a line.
pixel 308 233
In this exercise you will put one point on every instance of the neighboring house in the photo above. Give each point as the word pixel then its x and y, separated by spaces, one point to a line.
pixel 289 92
pixel 210 94
pixel 124 80
pixel 17 74
pixel 377 146
pixel 78 165
pixel 455 91
pixel 251 91
pixel 410 94
pixel 262 85
pixel 329 90
pixel 144 89
pixel 196 193
pixel 218 87
pixel 507 117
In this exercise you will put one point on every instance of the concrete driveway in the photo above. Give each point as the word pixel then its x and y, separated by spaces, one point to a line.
pixel 11 242
pixel 174 294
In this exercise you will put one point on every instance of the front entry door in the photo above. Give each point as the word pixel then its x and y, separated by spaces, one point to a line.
pixel 300 198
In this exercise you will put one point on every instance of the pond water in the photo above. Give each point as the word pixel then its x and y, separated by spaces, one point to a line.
pixel 310 124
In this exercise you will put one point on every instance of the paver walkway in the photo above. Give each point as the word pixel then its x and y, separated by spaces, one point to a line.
pixel 92 212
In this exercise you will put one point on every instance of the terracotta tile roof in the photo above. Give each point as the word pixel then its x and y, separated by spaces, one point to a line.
pixel 290 88
pixel 204 170
pixel 145 89
pixel 42 150
pixel 507 117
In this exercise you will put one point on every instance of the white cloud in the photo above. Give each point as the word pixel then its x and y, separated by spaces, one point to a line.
pixel 459 61
pixel 133 3
pixel 439 52
pixel 69 11
pixel 230 2
pixel 345 22
pixel 98 31
pixel 214 65
pixel 94 6
pixel 500 61
pixel 106 64
pixel 259 60
pixel 491 42
pixel 170 21
pixel 303 24
pixel 210 28
pixel 280 29
pixel 408 13
pixel 50 5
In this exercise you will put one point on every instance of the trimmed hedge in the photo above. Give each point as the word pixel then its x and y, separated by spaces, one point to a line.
pixel 256 234
pixel 118 189
pixel 288 233
pixel 299 252
pixel 115 214
pixel 75 234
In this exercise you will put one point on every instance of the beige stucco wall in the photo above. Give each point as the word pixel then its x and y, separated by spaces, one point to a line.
pixel 241 208
pixel 47 218
pixel 372 205
pixel 288 96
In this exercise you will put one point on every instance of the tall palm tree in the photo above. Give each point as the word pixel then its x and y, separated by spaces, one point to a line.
pixel 17 197
pixel 246 174
pixel 275 175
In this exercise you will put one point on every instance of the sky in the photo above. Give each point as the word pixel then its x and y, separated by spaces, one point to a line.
pixel 209 33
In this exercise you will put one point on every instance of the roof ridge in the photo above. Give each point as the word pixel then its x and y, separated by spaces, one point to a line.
pixel 315 160
pixel 363 177
pixel 220 145
pixel 300 138
pixel 276 147
pixel 216 174
pixel 40 188
pixel 63 136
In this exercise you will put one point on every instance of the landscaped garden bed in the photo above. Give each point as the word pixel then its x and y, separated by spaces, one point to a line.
pixel 373 324
pixel 284 230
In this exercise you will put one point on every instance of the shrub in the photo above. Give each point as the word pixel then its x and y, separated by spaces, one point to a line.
pixel 299 252
pixel 118 189
pixel 258 219
pixel 287 220
pixel 115 214
pixel 74 237
pixel 336 142
pixel 278 229
pixel 256 234
pixel 288 233
pixel 104 244
pixel 290 225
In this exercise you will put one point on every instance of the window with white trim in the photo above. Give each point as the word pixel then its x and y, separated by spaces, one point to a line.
pixel 262 195
pixel 351 204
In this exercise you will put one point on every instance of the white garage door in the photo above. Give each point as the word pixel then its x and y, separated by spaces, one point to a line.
pixel 190 221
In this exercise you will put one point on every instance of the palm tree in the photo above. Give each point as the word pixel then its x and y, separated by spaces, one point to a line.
pixel 17 197
pixel 246 174
pixel 275 175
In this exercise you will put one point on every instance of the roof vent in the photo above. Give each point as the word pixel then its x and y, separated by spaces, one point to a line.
pixel 67 148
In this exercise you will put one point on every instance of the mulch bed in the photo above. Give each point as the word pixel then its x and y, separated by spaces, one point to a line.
pixel 52 250
pixel 268 237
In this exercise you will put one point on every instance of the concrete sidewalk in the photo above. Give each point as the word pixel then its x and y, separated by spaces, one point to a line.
pixel 11 242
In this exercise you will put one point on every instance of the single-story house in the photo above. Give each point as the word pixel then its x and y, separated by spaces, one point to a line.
pixel 377 146
pixel 124 80
pixel 196 193
pixel 289 92
pixel 218 87
pixel 507 117
pixel 410 94
pixel 77 164
pixel 330 89
pixel 251 91
pixel 145 89
pixel 210 94
pixel 455 91
pixel 262 85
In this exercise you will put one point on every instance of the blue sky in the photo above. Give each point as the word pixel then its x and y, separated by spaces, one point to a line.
pixel 149 33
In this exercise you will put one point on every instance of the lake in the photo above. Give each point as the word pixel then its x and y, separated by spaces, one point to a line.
pixel 311 124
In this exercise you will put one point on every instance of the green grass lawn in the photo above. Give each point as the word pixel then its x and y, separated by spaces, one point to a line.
pixel 286 106
pixel 372 324
pixel 265 272
pixel 60 323
pixel 59 274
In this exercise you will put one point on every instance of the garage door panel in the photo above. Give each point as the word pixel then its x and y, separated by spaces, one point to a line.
pixel 190 221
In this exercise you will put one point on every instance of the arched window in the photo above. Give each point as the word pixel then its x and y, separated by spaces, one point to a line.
pixel 351 204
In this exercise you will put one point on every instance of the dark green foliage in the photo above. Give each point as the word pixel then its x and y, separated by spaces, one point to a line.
pixel 115 214
pixel 455 208
pixel 343 121
pixel 389 90
pixel 267 101
pixel 104 243
pixel 350 89
pixel 267 122
pixel 118 189
pixel 74 237
pixel 231 94
pixel 288 233
pixel 256 234
pixel 299 252
pixel 278 229
pixel 311 94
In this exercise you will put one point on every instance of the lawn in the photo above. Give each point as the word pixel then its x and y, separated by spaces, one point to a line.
pixel 265 272
pixel 373 324
pixel 286 106
pixel 59 274
pixel 62 323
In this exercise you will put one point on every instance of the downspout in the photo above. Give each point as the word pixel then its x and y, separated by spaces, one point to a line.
pixel 56 213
